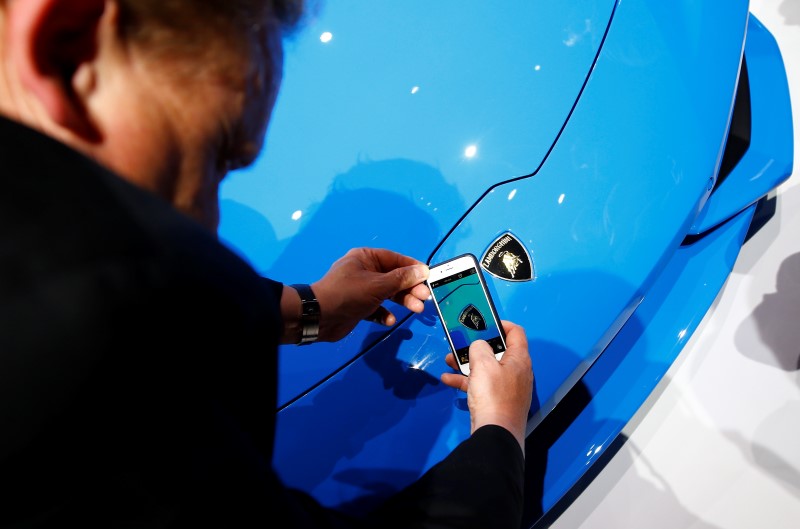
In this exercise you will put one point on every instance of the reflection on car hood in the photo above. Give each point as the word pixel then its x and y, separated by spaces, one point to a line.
pixel 426 104
pixel 393 119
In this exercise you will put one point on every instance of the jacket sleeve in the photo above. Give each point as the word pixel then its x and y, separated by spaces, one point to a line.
pixel 275 286
pixel 478 485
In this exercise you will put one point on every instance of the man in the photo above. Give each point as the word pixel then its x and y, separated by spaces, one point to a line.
pixel 138 354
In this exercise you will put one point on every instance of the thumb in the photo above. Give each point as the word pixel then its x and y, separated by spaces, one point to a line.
pixel 480 352
pixel 403 278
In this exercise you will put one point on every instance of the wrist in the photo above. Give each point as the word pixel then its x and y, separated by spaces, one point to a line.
pixel 291 310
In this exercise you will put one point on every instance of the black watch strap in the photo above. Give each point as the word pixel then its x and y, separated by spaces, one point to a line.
pixel 309 319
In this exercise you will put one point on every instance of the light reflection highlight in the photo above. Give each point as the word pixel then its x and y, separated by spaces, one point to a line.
pixel 512 194
pixel 561 198
pixel 297 214
pixel 573 38
pixel 422 363
pixel 681 334
pixel 471 151
pixel 326 37
pixel 414 90
pixel 594 449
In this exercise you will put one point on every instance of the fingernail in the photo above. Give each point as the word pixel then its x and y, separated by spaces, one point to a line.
pixel 421 272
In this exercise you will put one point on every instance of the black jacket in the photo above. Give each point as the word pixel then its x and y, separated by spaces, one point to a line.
pixel 138 361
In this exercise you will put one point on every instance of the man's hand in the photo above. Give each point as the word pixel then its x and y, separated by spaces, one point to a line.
pixel 498 392
pixel 356 285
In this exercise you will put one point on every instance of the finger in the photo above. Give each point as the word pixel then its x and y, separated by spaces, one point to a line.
pixel 413 299
pixel 409 277
pixel 383 316
pixel 456 381
pixel 406 271
pixel 450 359
pixel 516 345
pixel 400 281
pixel 515 335
pixel 480 352
pixel 516 340
pixel 388 260
pixel 421 292
pixel 410 302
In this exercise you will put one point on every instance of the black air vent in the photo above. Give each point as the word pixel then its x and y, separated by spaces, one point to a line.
pixel 739 132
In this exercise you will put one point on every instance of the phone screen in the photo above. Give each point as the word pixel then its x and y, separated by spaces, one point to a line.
pixel 465 309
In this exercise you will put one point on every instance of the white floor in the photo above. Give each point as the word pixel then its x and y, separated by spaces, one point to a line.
pixel 718 445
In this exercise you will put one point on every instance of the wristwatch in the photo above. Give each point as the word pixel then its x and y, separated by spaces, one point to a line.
pixel 309 319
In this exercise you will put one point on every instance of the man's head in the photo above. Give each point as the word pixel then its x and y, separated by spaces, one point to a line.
pixel 170 94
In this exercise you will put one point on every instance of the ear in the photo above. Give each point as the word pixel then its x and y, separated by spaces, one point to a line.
pixel 49 41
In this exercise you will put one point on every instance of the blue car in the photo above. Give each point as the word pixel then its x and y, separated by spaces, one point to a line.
pixel 605 160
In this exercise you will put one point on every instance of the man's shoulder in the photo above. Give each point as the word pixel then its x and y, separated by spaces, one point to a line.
pixel 61 213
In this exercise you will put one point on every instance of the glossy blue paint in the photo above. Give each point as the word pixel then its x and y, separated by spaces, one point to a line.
pixel 635 361
pixel 356 156
pixel 606 210
pixel 769 158
pixel 600 162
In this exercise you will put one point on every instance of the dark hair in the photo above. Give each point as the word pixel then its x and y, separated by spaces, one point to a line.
pixel 188 24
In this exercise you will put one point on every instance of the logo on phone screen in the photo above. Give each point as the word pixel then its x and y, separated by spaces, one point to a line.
pixel 472 318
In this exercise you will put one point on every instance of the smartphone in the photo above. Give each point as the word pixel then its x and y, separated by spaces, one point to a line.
pixel 465 307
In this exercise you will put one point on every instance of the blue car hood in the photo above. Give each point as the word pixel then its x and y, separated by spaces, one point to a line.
pixel 393 120
pixel 593 131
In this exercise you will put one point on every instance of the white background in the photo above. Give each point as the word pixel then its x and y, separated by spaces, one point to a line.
pixel 718 443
